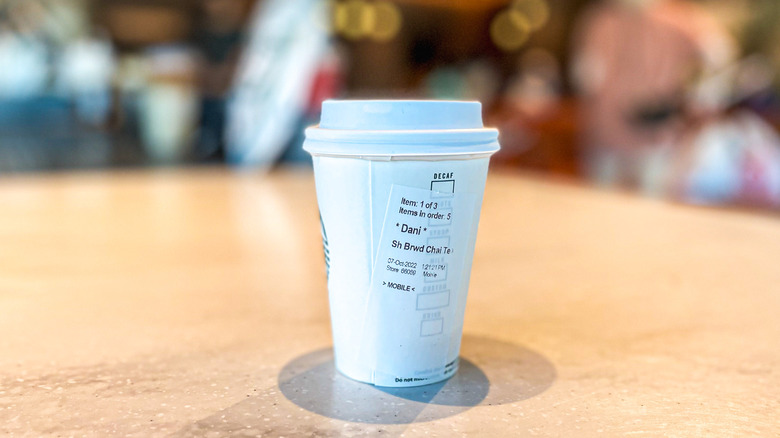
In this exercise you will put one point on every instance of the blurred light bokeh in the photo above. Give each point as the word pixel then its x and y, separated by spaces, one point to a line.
pixel 672 98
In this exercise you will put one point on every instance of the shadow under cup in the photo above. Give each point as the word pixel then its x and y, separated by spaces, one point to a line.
pixel 491 372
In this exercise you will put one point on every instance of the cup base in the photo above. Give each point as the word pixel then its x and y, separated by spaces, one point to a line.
pixel 403 383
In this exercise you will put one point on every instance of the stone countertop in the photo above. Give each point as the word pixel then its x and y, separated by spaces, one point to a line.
pixel 193 303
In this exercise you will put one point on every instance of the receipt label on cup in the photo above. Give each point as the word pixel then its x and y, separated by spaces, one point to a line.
pixel 419 286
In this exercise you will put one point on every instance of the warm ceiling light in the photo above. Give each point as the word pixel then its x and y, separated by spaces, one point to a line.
pixel 353 19
pixel 510 29
pixel 537 12
pixel 387 21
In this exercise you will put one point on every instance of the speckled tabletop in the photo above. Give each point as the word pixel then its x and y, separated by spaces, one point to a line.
pixel 193 303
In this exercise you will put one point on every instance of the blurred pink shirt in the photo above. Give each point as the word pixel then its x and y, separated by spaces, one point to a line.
pixel 631 60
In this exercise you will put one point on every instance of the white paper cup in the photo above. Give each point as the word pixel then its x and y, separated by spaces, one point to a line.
pixel 399 186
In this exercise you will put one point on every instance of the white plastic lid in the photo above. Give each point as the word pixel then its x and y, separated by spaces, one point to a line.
pixel 389 128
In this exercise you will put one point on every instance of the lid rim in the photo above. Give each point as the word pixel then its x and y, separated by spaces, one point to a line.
pixel 405 157
pixel 411 128
pixel 449 136
pixel 317 128
pixel 356 149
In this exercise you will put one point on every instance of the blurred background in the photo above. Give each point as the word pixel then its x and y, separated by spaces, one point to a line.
pixel 675 99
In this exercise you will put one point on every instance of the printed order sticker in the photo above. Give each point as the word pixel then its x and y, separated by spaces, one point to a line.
pixel 419 286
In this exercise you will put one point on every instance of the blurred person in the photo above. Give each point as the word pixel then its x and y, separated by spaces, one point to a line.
pixel 25 68
pixel 33 33
pixel 54 77
pixel 85 73
pixel 634 61
pixel 732 158
pixel 288 57
pixel 327 83
pixel 219 40
pixel 24 55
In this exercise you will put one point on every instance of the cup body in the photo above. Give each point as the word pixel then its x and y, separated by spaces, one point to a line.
pixel 399 230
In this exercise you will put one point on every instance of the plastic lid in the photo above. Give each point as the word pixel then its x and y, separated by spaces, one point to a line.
pixel 399 115
pixel 382 128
